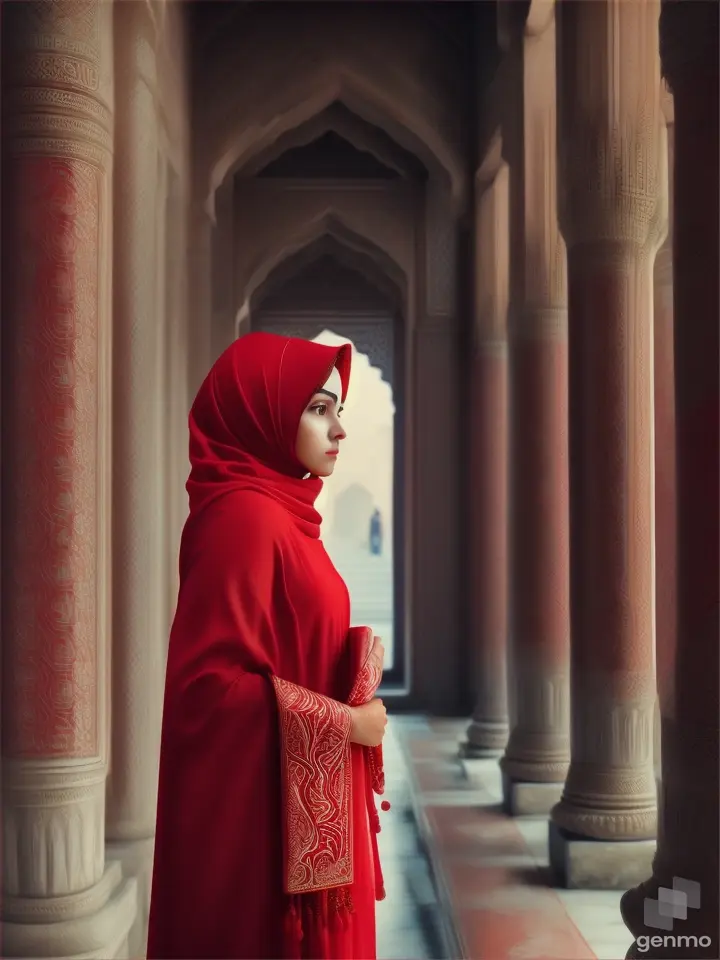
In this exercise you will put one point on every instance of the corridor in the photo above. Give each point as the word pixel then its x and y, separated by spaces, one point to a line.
pixel 463 879
pixel 509 212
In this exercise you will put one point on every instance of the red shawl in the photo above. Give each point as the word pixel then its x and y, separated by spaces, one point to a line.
pixel 265 843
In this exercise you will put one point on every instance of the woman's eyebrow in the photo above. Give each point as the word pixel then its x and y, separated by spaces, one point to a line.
pixel 327 393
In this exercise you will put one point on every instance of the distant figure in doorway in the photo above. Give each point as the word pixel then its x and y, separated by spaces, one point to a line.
pixel 376 533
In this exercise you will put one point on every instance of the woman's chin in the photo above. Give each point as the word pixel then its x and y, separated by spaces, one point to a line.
pixel 326 470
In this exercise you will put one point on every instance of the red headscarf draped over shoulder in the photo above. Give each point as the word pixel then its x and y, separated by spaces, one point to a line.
pixel 244 422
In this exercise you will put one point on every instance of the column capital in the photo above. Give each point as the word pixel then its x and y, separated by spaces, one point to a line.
pixel 610 150
pixel 492 256
pixel 688 39
pixel 539 258
pixel 58 92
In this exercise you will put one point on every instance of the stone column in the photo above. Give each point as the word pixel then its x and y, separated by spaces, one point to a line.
pixel 488 730
pixel 60 896
pixel 223 273
pixel 433 348
pixel 139 609
pixel 177 400
pixel 538 753
pixel 200 242
pixel 613 212
pixel 687 856
pixel 665 454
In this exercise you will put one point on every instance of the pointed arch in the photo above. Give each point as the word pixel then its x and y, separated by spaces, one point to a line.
pixel 327 224
pixel 359 261
pixel 356 131
pixel 414 122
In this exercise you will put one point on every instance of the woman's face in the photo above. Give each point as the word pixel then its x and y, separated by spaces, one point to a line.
pixel 319 434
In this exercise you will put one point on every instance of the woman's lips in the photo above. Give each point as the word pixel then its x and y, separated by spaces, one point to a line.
pixel 331 453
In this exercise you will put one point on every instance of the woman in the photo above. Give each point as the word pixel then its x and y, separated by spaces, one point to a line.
pixel 265 844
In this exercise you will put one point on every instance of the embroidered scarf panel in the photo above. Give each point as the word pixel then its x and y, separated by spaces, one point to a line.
pixel 368 681
pixel 317 784
pixel 364 689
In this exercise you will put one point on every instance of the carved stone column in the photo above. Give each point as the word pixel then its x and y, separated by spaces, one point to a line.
pixel 538 753
pixel 139 611
pixel 688 834
pixel 60 897
pixel 613 212
pixel 488 731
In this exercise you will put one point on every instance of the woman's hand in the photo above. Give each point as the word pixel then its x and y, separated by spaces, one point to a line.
pixel 368 723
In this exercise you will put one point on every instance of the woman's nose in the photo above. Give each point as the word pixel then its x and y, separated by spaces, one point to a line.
pixel 338 432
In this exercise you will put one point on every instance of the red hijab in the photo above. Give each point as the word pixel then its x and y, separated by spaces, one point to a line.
pixel 244 422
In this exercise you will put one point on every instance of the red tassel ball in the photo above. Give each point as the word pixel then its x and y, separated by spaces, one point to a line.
pixel 385 805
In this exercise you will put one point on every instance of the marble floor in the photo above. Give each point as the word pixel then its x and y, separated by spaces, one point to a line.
pixel 465 881
pixel 409 921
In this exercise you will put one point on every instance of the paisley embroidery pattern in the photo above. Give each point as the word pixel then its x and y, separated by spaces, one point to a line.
pixel 368 680
pixel 364 689
pixel 317 782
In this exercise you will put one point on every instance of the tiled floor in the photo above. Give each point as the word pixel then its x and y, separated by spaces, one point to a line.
pixel 489 898
pixel 409 920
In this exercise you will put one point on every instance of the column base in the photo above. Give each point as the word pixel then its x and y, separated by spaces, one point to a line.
pixel 93 924
pixel 521 798
pixel 136 859
pixel 486 739
pixel 579 863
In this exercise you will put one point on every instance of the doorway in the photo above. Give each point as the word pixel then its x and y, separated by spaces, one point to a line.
pixel 357 502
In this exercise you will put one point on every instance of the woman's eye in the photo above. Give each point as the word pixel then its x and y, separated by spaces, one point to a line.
pixel 321 409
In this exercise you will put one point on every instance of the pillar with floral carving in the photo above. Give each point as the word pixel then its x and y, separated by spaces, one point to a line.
pixel 60 895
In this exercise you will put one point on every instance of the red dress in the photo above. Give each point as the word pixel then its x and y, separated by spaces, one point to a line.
pixel 265 844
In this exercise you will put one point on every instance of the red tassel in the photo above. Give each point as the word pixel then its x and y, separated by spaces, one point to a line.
pixel 375 765
pixel 385 805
